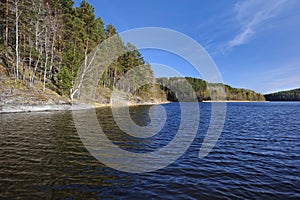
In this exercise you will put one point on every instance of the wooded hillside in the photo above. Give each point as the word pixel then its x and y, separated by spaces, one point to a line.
pixel 44 43
pixel 47 41
pixel 203 90
pixel 291 95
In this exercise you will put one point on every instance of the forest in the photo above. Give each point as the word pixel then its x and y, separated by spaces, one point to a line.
pixel 291 95
pixel 45 42
pixel 203 90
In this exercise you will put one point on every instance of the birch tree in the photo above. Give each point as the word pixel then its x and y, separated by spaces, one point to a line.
pixel 17 17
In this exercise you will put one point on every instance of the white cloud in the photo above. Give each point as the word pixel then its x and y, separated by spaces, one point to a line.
pixel 251 15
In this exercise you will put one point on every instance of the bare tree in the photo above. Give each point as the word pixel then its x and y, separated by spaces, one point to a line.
pixel 55 22
pixel 36 5
pixel 17 17
pixel 46 57
pixel 6 22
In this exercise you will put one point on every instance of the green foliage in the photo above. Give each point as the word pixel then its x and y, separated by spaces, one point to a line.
pixel 64 80
pixel 55 39
pixel 203 90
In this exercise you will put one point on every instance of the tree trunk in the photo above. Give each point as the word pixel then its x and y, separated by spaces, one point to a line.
pixel 29 65
pixel 36 66
pixel 46 60
pixel 23 33
pixel 37 26
pixel 115 76
pixel 86 70
pixel 17 40
pixel 45 72
pixel 52 55
pixel 6 23
pixel 72 67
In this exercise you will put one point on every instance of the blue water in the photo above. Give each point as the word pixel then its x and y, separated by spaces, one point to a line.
pixel 256 157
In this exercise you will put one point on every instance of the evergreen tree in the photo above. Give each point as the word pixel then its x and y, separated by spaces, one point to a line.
pixel 48 41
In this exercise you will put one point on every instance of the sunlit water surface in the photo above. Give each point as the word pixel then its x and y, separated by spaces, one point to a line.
pixel 256 157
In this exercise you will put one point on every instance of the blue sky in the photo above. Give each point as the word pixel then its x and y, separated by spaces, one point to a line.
pixel 254 43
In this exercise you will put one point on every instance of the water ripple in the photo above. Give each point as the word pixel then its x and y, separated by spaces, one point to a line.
pixel 256 157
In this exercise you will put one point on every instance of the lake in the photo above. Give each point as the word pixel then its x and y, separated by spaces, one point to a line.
pixel 257 156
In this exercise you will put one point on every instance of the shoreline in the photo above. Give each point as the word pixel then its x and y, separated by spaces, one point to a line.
pixel 10 108
pixel 7 109
pixel 230 101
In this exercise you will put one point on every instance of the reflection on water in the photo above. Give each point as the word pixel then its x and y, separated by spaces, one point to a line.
pixel 257 156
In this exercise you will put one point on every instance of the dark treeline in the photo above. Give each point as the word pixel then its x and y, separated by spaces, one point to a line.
pixel 202 90
pixel 44 42
pixel 291 95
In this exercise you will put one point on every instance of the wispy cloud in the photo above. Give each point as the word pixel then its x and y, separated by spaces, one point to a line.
pixel 251 15
pixel 279 78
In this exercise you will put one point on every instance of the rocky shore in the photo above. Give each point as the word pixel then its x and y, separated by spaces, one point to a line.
pixel 59 107
pixel 18 97
pixel 39 103
pixel 41 108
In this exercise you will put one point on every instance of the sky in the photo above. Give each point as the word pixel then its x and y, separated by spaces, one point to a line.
pixel 254 43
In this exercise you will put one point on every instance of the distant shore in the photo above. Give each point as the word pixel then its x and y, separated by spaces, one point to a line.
pixel 230 101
